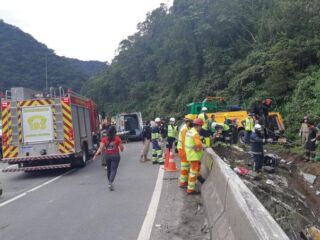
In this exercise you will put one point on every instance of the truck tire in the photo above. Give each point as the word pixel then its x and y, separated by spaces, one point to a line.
pixel 82 160
pixel 241 135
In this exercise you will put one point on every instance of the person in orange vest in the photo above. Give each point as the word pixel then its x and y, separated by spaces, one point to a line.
pixel 185 166
pixel 194 153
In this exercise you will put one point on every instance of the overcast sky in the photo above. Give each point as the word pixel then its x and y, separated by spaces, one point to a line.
pixel 83 29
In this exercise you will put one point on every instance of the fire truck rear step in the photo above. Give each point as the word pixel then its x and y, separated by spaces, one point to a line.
pixel 37 168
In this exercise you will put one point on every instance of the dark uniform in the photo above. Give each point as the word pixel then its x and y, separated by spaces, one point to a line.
pixel 310 145
pixel 256 140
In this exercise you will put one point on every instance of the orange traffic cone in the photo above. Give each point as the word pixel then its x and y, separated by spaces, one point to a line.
pixel 166 158
pixel 171 164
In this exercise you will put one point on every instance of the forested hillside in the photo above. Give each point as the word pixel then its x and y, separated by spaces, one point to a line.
pixel 23 63
pixel 240 49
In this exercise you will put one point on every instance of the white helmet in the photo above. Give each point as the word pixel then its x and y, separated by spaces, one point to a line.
pixel 257 127
pixel 153 124
pixel 204 109
pixel 172 119
pixel 157 120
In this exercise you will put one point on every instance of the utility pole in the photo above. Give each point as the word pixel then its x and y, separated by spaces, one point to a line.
pixel 46 72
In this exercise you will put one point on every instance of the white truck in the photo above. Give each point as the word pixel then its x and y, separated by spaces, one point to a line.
pixel 47 130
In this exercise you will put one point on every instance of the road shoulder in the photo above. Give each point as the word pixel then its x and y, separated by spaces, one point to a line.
pixel 179 216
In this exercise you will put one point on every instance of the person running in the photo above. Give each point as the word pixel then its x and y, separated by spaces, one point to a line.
pixel 111 145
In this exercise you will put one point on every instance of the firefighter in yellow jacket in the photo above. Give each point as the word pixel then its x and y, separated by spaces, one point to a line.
pixel 204 131
pixel 194 153
pixel 185 166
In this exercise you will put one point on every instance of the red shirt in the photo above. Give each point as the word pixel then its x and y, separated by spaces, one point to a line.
pixel 113 146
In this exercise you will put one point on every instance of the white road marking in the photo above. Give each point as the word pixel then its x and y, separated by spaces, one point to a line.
pixel 12 166
pixel 147 226
pixel 33 189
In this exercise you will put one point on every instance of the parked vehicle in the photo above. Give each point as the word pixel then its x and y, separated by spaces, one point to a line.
pixel 47 131
pixel 0 140
pixel 131 124
pixel 218 107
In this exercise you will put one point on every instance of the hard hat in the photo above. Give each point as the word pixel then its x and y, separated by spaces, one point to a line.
pixel 157 120
pixel 305 117
pixel 153 123
pixel 226 115
pixel 204 109
pixel 258 127
pixel 172 119
pixel 198 122
pixel 188 117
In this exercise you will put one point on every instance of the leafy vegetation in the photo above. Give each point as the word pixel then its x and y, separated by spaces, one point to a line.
pixel 240 49
pixel 23 63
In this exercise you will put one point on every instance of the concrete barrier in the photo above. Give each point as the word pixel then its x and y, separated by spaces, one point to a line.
pixel 233 211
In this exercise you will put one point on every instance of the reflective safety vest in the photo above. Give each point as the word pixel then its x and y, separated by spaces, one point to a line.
pixel 155 136
pixel 226 127
pixel 191 153
pixel 249 124
pixel 183 128
pixel 172 131
pixel 204 118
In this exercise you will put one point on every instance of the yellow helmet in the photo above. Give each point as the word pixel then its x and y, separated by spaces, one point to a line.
pixel 226 115
pixel 189 117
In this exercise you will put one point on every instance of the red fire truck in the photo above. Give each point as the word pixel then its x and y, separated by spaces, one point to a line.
pixel 47 130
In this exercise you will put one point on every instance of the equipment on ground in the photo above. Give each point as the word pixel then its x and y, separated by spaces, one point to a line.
pixel 47 130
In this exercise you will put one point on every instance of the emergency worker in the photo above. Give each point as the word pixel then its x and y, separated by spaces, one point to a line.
pixel 172 133
pixel 194 153
pixel 248 125
pixel 185 166
pixel 227 130
pixel 257 140
pixel 310 145
pixel 156 142
pixel 204 132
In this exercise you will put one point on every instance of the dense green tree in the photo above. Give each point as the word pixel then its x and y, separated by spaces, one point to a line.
pixel 240 49
pixel 23 62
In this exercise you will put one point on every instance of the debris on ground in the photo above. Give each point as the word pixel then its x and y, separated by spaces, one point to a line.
pixel 312 233
pixel 308 177
pixel 289 196
pixel 241 171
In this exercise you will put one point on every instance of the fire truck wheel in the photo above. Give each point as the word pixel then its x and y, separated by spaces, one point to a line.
pixel 82 161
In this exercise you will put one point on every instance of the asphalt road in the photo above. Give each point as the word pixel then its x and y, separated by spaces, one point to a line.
pixel 78 205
